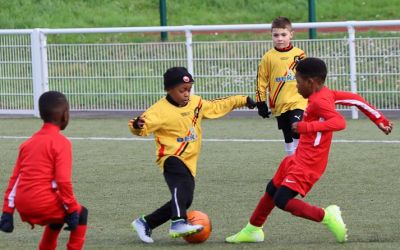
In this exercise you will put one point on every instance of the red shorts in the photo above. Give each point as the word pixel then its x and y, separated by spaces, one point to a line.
pixel 54 214
pixel 294 176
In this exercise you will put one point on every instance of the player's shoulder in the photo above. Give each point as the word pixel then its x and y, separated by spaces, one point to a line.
pixel 297 49
pixel 158 105
pixel 324 95
pixel 60 138
pixel 269 52
pixel 195 98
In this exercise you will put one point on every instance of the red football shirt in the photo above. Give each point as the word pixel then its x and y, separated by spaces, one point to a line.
pixel 320 119
pixel 41 178
pixel 301 170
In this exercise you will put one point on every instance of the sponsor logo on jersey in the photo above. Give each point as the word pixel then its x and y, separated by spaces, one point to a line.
pixel 289 77
pixel 185 113
pixel 191 137
pixel 284 58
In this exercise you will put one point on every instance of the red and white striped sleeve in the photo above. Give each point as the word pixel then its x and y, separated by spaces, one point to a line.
pixel 352 99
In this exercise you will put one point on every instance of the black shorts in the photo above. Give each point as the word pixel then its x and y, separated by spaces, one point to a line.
pixel 285 121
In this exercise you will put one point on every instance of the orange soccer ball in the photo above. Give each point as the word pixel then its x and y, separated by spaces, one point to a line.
pixel 199 218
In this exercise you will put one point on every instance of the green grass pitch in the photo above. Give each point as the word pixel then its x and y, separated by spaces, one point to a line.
pixel 118 181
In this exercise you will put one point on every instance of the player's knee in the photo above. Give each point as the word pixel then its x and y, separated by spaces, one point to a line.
pixel 280 201
pixel 271 189
pixel 83 216
pixel 56 227
pixel 282 196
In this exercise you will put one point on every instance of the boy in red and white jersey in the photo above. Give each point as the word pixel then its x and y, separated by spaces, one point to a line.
pixel 299 172
pixel 40 187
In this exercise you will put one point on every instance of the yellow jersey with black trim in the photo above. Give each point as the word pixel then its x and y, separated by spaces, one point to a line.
pixel 177 130
pixel 276 79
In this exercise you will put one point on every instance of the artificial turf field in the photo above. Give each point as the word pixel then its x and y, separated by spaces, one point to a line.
pixel 116 177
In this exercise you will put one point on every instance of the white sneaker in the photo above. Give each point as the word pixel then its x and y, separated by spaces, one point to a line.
pixel 180 228
pixel 142 229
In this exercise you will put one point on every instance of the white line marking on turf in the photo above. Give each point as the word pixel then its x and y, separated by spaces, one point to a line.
pixel 205 140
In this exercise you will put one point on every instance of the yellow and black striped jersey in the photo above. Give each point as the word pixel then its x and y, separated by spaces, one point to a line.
pixel 177 130
pixel 276 77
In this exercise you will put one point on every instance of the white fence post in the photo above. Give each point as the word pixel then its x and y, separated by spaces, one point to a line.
pixel 353 67
pixel 39 67
pixel 189 50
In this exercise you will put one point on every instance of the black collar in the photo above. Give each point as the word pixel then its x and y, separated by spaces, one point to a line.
pixel 169 99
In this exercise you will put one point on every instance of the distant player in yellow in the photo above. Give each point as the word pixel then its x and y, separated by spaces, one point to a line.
pixel 276 80
pixel 175 120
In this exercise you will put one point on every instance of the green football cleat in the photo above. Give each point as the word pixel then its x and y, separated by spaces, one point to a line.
pixel 249 234
pixel 334 222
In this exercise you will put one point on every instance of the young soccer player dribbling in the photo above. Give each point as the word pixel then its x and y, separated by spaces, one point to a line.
pixel 175 121
pixel 40 187
pixel 299 172
pixel 276 81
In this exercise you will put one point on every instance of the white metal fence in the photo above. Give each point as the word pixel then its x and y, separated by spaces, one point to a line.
pixel 128 76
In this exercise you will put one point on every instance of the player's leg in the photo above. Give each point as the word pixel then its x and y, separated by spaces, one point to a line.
pixel 331 216
pixel 77 236
pixel 181 184
pixel 48 214
pixel 264 206
pixel 50 237
pixel 253 232
pixel 144 225
pixel 284 199
pixel 285 125
pixel 295 116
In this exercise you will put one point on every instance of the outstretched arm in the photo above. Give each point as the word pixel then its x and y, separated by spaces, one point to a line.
pixel 351 99
pixel 219 107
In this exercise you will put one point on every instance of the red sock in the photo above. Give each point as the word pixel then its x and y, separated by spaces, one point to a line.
pixel 263 209
pixel 77 238
pixel 49 239
pixel 305 210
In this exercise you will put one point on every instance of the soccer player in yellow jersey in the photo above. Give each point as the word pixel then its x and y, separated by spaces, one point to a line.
pixel 276 80
pixel 175 120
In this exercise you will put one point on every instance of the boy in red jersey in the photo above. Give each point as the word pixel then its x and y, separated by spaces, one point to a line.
pixel 40 186
pixel 276 82
pixel 299 172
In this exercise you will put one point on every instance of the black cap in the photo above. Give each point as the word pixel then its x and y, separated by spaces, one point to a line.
pixel 176 75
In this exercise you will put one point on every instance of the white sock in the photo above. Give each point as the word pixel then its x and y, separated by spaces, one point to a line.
pixel 289 148
pixel 295 144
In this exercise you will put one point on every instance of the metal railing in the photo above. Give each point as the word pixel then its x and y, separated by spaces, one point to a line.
pixel 128 76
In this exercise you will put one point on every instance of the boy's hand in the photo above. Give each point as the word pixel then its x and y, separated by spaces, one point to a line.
pixel 263 109
pixel 72 221
pixel 6 223
pixel 137 123
pixel 250 103
pixel 386 127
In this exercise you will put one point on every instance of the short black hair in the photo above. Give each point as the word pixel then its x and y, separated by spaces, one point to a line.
pixel 50 103
pixel 312 67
